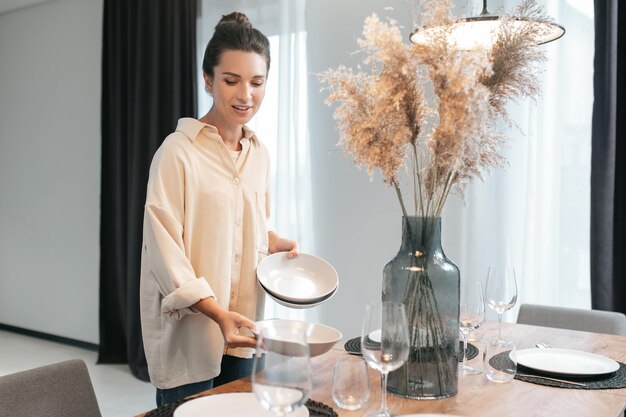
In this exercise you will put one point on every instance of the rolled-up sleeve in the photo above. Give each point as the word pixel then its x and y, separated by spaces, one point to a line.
pixel 167 260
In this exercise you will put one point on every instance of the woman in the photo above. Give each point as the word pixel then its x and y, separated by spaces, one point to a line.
pixel 205 226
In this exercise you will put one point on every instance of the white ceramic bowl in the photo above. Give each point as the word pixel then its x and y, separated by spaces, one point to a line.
pixel 320 338
pixel 300 306
pixel 302 279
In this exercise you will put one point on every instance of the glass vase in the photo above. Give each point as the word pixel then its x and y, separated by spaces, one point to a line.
pixel 427 282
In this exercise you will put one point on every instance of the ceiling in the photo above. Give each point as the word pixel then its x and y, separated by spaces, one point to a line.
pixel 9 5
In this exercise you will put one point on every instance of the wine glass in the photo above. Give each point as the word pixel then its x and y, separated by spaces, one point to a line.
pixel 501 292
pixel 281 372
pixel 384 343
pixel 471 317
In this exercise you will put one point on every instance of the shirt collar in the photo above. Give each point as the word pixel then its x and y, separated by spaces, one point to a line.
pixel 191 128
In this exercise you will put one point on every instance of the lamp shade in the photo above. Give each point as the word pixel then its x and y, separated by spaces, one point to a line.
pixel 482 31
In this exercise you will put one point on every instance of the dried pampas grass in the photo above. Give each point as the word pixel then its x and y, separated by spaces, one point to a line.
pixel 382 113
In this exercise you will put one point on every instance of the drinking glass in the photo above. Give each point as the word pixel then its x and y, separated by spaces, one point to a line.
pixel 351 383
pixel 471 317
pixel 281 373
pixel 501 292
pixel 384 343
pixel 503 367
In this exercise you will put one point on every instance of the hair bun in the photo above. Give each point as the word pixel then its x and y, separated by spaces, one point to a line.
pixel 236 17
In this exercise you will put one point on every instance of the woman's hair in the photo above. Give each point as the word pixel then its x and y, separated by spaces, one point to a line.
pixel 234 32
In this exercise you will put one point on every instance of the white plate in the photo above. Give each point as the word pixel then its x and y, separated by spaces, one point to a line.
pixel 320 338
pixel 303 279
pixel 566 361
pixel 301 305
pixel 236 404
pixel 375 336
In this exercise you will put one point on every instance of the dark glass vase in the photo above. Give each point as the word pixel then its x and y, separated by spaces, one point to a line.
pixel 427 283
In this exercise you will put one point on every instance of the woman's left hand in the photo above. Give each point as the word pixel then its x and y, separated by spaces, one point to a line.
pixel 277 243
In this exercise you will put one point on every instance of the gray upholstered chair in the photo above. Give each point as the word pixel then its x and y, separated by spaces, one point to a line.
pixel 596 321
pixel 62 389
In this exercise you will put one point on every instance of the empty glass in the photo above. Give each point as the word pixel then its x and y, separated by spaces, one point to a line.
pixel 501 291
pixel 471 317
pixel 351 383
pixel 384 343
pixel 281 374
pixel 500 361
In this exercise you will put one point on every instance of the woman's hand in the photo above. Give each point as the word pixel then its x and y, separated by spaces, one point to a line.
pixel 229 322
pixel 276 243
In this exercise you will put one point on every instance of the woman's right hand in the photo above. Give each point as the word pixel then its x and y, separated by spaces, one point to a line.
pixel 229 322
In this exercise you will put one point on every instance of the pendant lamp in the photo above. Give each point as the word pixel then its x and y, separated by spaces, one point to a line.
pixel 481 31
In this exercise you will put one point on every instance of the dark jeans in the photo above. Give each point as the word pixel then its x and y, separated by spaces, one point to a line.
pixel 232 368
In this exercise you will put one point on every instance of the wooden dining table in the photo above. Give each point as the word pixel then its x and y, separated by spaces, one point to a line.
pixel 479 397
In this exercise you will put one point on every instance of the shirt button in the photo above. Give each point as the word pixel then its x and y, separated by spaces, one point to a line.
pixel 236 258
pixel 239 221
pixel 236 180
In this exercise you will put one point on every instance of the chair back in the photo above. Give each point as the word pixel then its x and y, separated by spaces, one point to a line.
pixel 62 389
pixel 596 321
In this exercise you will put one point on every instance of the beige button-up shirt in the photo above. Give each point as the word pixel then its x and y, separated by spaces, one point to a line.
pixel 204 233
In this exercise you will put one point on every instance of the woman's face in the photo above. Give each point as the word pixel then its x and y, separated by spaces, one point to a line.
pixel 237 86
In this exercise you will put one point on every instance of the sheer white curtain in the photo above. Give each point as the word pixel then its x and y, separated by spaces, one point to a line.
pixel 281 122
pixel 534 214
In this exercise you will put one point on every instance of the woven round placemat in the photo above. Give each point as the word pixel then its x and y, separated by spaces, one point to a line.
pixel 316 409
pixel 472 351
pixel 614 380
pixel 166 410
pixel 354 346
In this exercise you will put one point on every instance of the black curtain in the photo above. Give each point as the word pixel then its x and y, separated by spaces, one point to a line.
pixel 148 82
pixel 608 159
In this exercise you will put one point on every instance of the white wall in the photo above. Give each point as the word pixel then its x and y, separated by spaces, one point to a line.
pixel 50 74
pixel 357 221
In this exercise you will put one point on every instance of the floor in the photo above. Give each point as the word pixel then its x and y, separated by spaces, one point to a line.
pixel 119 393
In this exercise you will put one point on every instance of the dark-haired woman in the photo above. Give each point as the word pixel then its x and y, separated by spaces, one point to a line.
pixel 205 226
